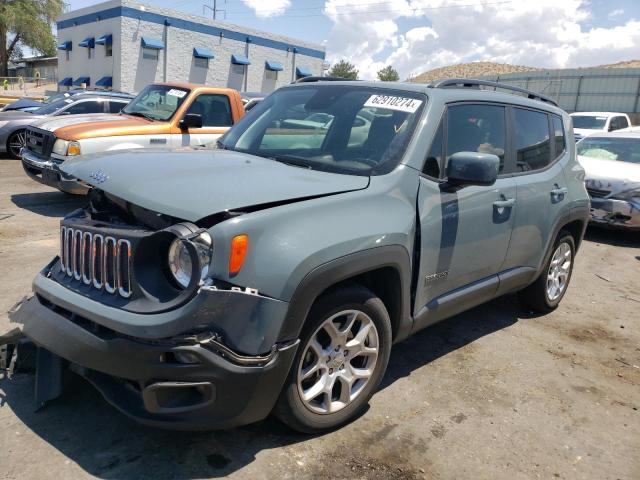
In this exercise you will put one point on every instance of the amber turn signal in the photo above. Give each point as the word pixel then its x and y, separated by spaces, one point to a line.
pixel 239 246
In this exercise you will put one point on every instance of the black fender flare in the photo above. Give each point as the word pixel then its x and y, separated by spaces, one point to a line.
pixel 343 268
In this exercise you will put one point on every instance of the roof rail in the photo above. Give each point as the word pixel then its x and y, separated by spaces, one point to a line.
pixel 473 83
pixel 322 79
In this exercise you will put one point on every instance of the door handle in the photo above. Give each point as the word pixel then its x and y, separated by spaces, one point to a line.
pixel 507 203
pixel 559 191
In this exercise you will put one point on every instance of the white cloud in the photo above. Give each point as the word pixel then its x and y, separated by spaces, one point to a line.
pixel 268 8
pixel 616 13
pixel 543 33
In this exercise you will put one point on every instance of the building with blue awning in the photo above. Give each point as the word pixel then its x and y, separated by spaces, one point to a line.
pixel 127 45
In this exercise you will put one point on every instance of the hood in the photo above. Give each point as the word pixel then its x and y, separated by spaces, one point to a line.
pixel 53 123
pixel 17 115
pixel 583 132
pixel 194 184
pixel 110 125
pixel 611 175
pixel 22 103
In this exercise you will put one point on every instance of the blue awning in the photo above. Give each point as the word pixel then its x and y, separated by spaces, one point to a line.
pixel 81 80
pixel 89 42
pixel 202 53
pixel 65 46
pixel 104 82
pixel 273 66
pixel 240 60
pixel 303 72
pixel 152 43
pixel 105 40
pixel 66 82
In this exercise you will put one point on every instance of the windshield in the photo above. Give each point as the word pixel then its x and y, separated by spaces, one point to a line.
pixel 157 102
pixel 610 148
pixel 53 107
pixel 57 96
pixel 338 128
pixel 588 122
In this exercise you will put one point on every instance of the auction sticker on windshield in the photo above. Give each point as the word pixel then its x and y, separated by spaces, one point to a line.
pixel 402 104
pixel 177 93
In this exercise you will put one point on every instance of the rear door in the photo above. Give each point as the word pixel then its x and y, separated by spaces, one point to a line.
pixel 217 118
pixel 541 184
pixel 464 234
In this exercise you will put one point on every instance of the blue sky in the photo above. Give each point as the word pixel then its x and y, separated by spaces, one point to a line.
pixel 416 35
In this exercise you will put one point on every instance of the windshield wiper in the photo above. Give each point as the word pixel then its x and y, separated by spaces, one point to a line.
pixel 140 114
pixel 291 161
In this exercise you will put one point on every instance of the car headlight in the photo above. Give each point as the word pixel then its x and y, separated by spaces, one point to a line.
pixel 63 147
pixel 180 259
pixel 632 195
pixel 2 124
pixel 60 147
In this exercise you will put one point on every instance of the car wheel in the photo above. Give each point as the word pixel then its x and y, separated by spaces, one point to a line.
pixel 547 291
pixel 343 354
pixel 16 141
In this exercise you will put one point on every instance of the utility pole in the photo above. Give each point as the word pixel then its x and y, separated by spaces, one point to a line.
pixel 214 9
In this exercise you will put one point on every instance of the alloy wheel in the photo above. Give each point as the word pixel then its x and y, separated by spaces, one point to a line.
pixel 338 361
pixel 17 141
pixel 559 269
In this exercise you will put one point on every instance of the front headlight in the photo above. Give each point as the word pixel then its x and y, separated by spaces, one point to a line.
pixel 60 147
pixel 632 195
pixel 181 262
pixel 2 124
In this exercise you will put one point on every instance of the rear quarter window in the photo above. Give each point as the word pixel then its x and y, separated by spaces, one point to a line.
pixel 533 145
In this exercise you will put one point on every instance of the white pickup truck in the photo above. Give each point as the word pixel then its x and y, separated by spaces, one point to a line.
pixel 586 123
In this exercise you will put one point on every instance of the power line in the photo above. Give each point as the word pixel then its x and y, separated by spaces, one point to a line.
pixel 367 12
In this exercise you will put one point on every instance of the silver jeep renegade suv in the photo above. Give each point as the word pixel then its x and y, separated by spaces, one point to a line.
pixel 206 289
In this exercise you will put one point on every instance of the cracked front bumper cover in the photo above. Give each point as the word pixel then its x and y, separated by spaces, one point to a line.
pixel 147 378
pixel 613 212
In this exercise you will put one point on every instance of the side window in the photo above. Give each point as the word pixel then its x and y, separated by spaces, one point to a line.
pixel 115 107
pixel 434 159
pixel 624 123
pixel 92 106
pixel 558 134
pixel 214 109
pixel 477 128
pixel 533 147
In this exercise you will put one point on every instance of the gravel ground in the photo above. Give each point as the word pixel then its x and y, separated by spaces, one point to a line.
pixel 494 393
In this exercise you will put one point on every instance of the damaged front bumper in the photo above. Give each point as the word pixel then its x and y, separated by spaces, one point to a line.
pixel 615 213
pixel 182 381
pixel 48 173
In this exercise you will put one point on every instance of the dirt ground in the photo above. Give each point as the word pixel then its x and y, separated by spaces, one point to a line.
pixel 495 393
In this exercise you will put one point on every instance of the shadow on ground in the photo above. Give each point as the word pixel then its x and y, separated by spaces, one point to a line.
pixel 614 237
pixel 49 204
pixel 84 428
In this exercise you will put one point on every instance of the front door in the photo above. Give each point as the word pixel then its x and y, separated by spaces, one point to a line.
pixel 217 117
pixel 465 234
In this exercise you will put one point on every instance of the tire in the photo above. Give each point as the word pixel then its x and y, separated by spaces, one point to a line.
pixel 351 305
pixel 537 296
pixel 15 139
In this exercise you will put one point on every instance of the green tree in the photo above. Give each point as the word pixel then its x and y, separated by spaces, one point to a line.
pixel 388 74
pixel 344 69
pixel 28 23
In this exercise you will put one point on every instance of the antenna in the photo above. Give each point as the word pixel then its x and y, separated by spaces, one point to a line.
pixel 214 9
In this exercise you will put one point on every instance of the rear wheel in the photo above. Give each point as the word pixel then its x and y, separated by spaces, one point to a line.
pixel 16 141
pixel 343 355
pixel 547 291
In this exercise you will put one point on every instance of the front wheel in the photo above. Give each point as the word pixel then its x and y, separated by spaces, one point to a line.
pixel 547 291
pixel 16 141
pixel 343 354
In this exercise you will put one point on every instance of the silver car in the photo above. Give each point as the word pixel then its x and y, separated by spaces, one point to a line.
pixel 612 165
pixel 13 124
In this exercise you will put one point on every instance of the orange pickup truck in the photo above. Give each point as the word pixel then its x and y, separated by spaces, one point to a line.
pixel 162 115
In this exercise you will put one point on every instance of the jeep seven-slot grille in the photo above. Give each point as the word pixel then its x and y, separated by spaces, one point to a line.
pixel 102 262
pixel 39 141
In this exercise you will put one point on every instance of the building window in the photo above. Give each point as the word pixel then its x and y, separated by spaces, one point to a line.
pixel 108 48
pixel 89 53
pixel 237 69
pixel 201 62
pixel 67 55
pixel 150 53
pixel 271 74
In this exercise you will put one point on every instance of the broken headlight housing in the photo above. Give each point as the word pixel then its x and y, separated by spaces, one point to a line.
pixel 181 257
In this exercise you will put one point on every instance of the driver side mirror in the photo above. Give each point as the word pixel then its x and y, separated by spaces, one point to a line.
pixel 191 120
pixel 472 168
